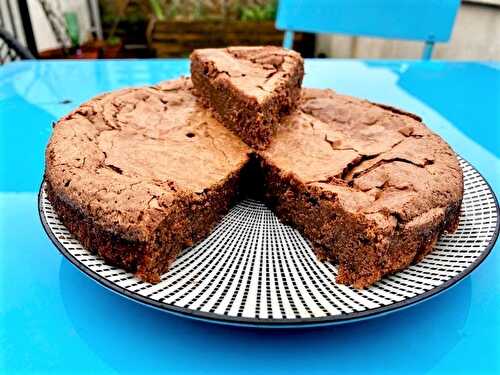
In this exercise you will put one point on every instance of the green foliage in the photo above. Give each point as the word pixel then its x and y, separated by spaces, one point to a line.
pixel 140 10
pixel 72 27
pixel 109 12
pixel 113 41
pixel 157 8
pixel 265 12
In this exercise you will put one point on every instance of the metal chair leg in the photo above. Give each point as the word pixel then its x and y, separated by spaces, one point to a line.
pixel 288 40
pixel 427 53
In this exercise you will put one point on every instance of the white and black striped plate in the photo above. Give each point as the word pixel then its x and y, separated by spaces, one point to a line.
pixel 252 270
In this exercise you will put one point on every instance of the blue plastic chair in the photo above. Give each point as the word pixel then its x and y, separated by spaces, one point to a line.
pixel 428 20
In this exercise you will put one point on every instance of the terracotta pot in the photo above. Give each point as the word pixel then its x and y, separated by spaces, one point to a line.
pixel 85 53
pixel 111 52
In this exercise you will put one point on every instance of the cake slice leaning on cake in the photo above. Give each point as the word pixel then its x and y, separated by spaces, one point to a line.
pixel 139 174
pixel 249 88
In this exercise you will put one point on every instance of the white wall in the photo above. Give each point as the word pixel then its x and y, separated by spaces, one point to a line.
pixel 44 36
pixel 13 26
pixel 476 36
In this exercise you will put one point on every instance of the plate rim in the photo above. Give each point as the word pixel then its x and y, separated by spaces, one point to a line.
pixel 273 322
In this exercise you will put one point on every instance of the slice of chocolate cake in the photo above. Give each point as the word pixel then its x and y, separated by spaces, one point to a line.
pixel 249 88
pixel 370 186
pixel 138 174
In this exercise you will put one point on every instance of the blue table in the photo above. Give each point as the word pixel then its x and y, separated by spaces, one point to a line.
pixel 53 319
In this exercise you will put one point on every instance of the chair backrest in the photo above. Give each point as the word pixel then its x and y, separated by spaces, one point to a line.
pixel 11 49
pixel 427 20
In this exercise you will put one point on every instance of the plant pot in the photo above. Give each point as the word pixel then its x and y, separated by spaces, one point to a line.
pixel 111 52
pixel 85 53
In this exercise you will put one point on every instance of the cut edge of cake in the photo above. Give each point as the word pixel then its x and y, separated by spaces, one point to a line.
pixel 355 216
pixel 366 246
pixel 249 88
pixel 159 218
pixel 187 221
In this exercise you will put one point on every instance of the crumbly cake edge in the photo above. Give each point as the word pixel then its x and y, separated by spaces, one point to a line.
pixel 254 123
pixel 149 259
pixel 400 249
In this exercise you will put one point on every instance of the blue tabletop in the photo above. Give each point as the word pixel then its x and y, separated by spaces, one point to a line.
pixel 53 319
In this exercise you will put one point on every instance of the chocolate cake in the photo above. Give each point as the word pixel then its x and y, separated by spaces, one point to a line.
pixel 249 88
pixel 139 174
pixel 369 185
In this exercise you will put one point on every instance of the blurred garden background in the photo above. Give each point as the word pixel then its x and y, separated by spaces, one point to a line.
pixel 173 28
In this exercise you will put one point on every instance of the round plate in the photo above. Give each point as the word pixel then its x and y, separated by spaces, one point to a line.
pixel 252 270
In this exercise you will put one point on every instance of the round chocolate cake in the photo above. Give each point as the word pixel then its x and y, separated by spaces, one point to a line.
pixel 139 174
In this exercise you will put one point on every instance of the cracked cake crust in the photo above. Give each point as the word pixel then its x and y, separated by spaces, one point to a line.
pixel 138 174
pixel 369 185
pixel 249 88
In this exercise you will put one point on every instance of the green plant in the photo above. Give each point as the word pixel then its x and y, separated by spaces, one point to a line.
pixel 157 8
pixel 72 27
pixel 264 12
pixel 173 10
pixel 135 12
pixel 113 41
